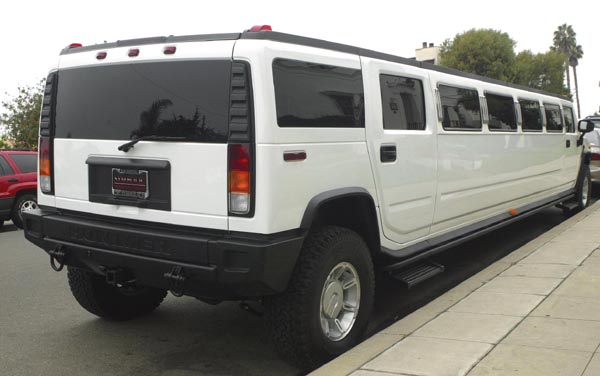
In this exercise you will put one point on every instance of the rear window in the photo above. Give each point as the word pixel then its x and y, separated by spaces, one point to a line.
pixel 317 95
pixel 187 99
pixel 25 162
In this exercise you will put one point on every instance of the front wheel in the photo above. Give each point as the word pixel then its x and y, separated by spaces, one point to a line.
pixel 584 188
pixel 326 308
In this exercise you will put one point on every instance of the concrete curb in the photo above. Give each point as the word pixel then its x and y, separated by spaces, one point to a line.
pixel 366 351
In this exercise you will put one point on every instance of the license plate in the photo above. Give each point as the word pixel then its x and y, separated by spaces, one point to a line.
pixel 130 183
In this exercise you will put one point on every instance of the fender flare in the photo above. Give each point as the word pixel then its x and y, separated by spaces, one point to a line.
pixel 322 198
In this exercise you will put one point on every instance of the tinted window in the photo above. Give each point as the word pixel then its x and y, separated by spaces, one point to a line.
pixel 25 162
pixel 187 99
pixel 317 95
pixel 5 168
pixel 460 108
pixel 569 119
pixel 403 103
pixel 501 112
pixel 553 118
pixel 531 114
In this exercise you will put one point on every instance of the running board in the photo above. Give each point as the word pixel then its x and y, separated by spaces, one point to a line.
pixel 418 273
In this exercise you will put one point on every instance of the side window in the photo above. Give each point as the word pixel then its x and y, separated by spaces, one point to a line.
pixel 501 112
pixel 318 95
pixel 460 108
pixel 403 103
pixel 5 168
pixel 25 162
pixel 569 119
pixel 553 118
pixel 532 116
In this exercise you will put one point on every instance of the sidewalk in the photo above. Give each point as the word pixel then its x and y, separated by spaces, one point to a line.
pixel 534 312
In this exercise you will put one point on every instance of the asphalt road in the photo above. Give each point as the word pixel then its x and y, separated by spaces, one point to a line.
pixel 43 331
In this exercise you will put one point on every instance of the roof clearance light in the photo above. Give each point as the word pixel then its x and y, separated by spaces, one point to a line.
pixel 101 55
pixel 170 50
pixel 256 28
pixel 75 45
pixel 133 52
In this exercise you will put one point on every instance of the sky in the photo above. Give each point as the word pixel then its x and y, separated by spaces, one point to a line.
pixel 35 31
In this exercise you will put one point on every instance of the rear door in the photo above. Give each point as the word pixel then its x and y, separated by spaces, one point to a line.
pixel 182 98
pixel 402 146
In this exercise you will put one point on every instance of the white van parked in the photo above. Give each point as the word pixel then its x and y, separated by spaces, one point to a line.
pixel 273 167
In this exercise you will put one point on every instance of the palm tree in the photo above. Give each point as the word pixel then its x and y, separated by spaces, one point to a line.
pixel 575 53
pixel 564 40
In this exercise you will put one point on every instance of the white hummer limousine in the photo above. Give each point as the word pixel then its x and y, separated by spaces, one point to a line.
pixel 282 169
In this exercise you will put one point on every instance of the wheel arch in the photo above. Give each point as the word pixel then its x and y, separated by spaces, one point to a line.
pixel 350 207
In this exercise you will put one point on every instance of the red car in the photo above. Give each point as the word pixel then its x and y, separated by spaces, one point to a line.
pixel 18 184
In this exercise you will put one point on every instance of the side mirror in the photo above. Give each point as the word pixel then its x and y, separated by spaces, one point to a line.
pixel 585 126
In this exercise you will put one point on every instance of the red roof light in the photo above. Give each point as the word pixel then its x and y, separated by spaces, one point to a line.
pixel 75 45
pixel 256 28
pixel 170 50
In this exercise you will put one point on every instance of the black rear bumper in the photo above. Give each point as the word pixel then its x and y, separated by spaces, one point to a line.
pixel 216 265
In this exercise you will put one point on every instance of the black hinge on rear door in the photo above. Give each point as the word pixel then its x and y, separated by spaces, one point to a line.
pixel 240 108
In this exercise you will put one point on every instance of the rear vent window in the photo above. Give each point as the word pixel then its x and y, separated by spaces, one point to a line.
pixel 240 111
pixel 318 95
pixel 188 99
pixel 47 114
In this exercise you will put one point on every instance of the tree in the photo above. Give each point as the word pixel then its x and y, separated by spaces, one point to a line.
pixel 565 42
pixel 21 117
pixel 575 54
pixel 542 71
pixel 564 38
pixel 485 52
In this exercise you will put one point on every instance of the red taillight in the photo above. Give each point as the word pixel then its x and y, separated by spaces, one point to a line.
pixel 170 50
pixel 45 156
pixel 256 28
pixel 595 157
pixel 133 52
pixel 239 178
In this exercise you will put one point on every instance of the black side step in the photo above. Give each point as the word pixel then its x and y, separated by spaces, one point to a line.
pixel 418 273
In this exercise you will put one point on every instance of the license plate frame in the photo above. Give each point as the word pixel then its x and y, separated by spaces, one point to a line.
pixel 130 183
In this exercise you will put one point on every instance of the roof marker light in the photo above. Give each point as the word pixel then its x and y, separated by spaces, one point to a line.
pixel 75 45
pixel 133 52
pixel 256 28
pixel 101 55
pixel 170 50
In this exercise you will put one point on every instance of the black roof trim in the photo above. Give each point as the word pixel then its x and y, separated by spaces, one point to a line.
pixel 309 42
pixel 153 40
pixel 318 43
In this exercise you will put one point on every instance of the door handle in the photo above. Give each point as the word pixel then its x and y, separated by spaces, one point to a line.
pixel 568 143
pixel 387 153
pixel 13 180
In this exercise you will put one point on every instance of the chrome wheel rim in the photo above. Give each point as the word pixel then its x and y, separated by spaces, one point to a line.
pixel 585 191
pixel 27 206
pixel 340 300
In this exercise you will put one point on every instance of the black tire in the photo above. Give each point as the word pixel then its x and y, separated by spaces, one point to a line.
pixel 294 317
pixel 111 302
pixel 584 188
pixel 24 202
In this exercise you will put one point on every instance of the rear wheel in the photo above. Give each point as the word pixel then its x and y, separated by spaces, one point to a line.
pixel 329 299
pixel 24 203
pixel 112 302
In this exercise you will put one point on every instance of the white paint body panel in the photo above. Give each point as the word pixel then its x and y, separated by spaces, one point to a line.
pixel 441 180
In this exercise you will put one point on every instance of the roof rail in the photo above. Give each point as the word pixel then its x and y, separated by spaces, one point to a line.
pixel 18 149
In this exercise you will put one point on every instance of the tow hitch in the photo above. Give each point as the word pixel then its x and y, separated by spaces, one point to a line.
pixel 57 258
pixel 176 278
